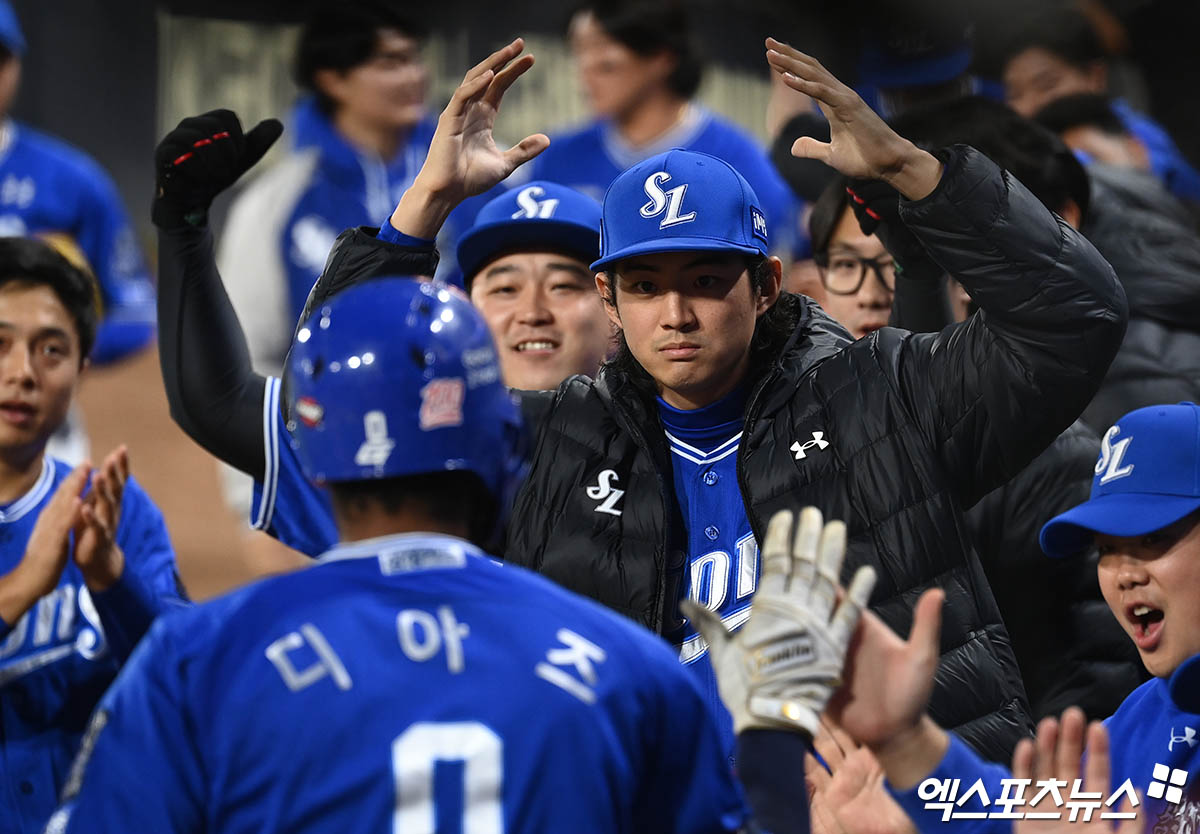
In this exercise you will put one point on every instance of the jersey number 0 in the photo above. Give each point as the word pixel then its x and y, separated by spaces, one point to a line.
pixel 416 752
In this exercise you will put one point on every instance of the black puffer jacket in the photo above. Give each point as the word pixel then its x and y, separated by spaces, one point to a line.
pixel 1157 258
pixel 917 428
pixel 1071 650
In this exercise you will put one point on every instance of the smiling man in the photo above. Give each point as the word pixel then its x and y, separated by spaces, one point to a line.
pixel 525 265
pixel 726 400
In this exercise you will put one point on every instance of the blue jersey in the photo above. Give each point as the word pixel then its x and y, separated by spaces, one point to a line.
pixel 723 559
pixel 1154 746
pixel 49 188
pixel 57 660
pixel 286 504
pixel 589 160
pixel 405 683
pixel 281 227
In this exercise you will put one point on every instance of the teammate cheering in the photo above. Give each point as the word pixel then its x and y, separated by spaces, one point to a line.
pixel 406 682
pixel 83 569
pixel 727 400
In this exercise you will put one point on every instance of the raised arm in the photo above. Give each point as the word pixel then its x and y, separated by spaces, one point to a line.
pixel 213 392
pixel 993 392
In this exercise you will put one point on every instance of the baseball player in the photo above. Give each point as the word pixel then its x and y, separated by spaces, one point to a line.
pixel 83 570
pixel 525 263
pixel 1144 517
pixel 407 682
pixel 726 401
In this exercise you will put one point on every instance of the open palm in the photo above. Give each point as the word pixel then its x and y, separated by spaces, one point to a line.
pixel 463 158
pixel 887 681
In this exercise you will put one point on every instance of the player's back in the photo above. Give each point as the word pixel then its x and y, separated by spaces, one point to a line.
pixel 410 684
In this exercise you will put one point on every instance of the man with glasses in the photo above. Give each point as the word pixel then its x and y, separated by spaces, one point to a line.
pixel 858 275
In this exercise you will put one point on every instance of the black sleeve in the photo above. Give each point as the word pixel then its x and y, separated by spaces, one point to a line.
pixel 921 303
pixel 212 390
pixel 770 765
pixel 993 392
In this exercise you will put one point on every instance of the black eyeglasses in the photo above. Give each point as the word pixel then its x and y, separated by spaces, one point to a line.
pixel 843 273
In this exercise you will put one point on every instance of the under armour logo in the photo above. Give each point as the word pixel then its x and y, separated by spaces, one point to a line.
pixel 1188 738
pixel 605 489
pixel 818 440
pixel 1111 455
pixel 377 448
pixel 533 208
pixel 669 201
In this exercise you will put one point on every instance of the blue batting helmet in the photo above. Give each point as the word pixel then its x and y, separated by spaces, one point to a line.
pixel 398 376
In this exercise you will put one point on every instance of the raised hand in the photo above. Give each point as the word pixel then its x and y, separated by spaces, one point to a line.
pixel 199 159
pixel 97 553
pixel 861 144
pixel 887 683
pixel 782 667
pixel 852 798
pixel 1058 753
pixel 463 159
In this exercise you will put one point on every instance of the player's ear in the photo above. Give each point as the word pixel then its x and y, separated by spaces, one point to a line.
pixel 606 285
pixel 768 291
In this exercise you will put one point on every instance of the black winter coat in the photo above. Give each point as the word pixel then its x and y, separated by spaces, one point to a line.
pixel 918 426
pixel 1156 255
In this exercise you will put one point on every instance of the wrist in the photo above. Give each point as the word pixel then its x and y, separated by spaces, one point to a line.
pixel 917 173
pixel 18 593
pixel 422 211
pixel 102 574
pixel 912 754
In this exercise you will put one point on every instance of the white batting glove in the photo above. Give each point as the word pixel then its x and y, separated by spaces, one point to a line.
pixel 779 671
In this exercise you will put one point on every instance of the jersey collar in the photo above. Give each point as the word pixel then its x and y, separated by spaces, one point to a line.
pixel 20 508
pixel 413 550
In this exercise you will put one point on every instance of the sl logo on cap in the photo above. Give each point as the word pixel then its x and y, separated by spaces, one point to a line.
pixel 1111 455
pixel 533 208
pixel 670 201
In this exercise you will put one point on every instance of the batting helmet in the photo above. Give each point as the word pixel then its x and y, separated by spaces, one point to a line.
pixel 398 376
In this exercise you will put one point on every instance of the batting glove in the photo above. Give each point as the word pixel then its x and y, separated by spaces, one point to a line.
pixel 199 159
pixel 780 670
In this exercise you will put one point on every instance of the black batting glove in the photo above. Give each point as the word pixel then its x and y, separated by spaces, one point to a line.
pixel 876 206
pixel 199 159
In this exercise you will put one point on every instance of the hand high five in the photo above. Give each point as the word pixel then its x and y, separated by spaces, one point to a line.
pixel 861 144
pixel 463 159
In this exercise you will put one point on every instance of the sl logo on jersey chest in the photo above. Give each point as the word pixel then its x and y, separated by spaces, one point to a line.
pixel 670 201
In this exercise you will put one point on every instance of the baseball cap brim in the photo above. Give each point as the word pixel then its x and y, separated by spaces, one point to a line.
pixel 675 244
pixel 483 243
pixel 1116 514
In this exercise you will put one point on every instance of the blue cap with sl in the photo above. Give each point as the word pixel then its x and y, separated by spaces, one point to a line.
pixel 538 215
pixel 11 37
pixel 1147 478
pixel 680 201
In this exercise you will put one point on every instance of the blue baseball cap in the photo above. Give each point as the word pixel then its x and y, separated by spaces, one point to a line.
pixel 535 216
pixel 1147 478
pixel 11 36
pixel 680 201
